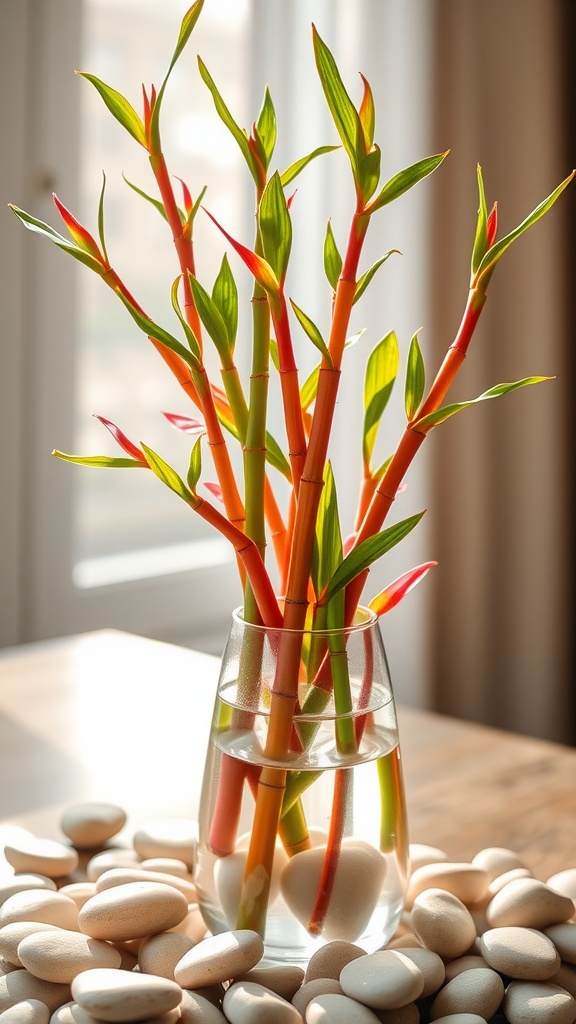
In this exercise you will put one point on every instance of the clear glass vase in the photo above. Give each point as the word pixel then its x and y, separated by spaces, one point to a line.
pixel 302 821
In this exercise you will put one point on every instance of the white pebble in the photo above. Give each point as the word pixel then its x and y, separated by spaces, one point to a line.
pixel 496 860
pixel 229 878
pixel 196 1009
pixel 40 905
pixel 219 958
pixel 421 853
pixel 442 923
pixel 91 824
pixel 432 967
pixel 160 953
pixel 283 979
pixel 538 1002
pixel 11 936
pixel 564 938
pixel 117 857
pixel 132 911
pixel 78 891
pixel 564 882
pixel 383 980
pixel 21 985
pixel 317 987
pixel 480 991
pixel 29 1011
pixel 248 1003
pixel 114 995
pixel 334 1009
pixel 528 903
pixel 465 881
pixel 168 865
pixel 119 876
pixel 168 837
pixel 521 953
pixel 59 955
pixel 25 880
pixel 41 856
pixel 328 961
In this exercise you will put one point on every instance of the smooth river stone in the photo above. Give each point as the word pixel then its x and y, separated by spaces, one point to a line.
pixel 59 955
pixel 88 825
pixel 443 923
pixel 78 891
pixel 565 977
pixel 334 1009
pixel 21 985
pixel 11 936
pixel 328 961
pixel 421 854
pixel 168 837
pixel 229 877
pixel 29 1011
pixel 26 880
pixel 167 865
pixel 509 876
pixel 538 1002
pixel 196 1009
pixel 356 892
pixel 119 876
pixel 219 958
pixel 528 903
pixel 285 979
pixel 132 911
pixel 248 1003
pixel 465 881
pixel 464 963
pixel 72 1013
pixel 40 905
pixel 521 953
pixel 116 857
pixel 496 860
pixel 114 995
pixel 564 938
pixel 384 980
pixel 564 882
pixel 432 967
pixel 159 954
pixel 41 856
pixel 480 991
pixel 317 987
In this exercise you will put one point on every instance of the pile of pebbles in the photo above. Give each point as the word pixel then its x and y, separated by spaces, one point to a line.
pixel 116 935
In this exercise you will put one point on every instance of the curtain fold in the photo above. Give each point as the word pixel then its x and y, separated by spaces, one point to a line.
pixel 501 478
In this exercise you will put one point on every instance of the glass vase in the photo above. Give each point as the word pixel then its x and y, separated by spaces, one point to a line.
pixel 305 842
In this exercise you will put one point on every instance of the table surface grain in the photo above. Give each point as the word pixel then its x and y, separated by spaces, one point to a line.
pixel 117 717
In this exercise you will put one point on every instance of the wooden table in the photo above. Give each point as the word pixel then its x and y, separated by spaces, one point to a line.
pixel 112 716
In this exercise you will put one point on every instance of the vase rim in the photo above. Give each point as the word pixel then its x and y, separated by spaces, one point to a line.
pixel 369 620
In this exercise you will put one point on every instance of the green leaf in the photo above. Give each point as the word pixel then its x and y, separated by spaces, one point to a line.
pixel 369 174
pixel 190 336
pixel 275 226
pixel 158 333
pixel 276 458
pixel 291 172
pixel 434 418
pixel 101 218
pixel 186 27
pixel 367 114
pixel 225 296
pixel 156 203
pixel 33 224
pixel 265 126
pixel 344 113
pixel 364 281
pixel 309 388
pixel 121 109
pixel 415 379
pixel 332 258
pixel 238 133
pixel 381 371
pixel 494 253
pixel 367 552
pixel 167 475
pixel 481 236
pixel 211 318
pixel 100 461
pixel 404 180
pixel 312 331
pixel 195 467
pixel 328 546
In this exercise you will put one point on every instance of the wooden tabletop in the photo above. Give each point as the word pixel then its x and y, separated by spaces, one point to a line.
pixel 116 717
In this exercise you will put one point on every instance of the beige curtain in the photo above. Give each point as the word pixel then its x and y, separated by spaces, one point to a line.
pixel 502 472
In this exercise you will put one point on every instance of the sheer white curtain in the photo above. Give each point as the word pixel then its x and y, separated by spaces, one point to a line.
pixel 501 473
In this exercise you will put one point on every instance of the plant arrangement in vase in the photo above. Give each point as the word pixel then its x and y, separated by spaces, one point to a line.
pixel 304 722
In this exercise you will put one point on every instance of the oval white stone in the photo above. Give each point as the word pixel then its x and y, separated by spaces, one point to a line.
pixel 283 979
pixel 25 880
pixel 168 837
pixel 248 1003
pixel 521 953
pixel 479 991
pixel 328 961
pixel 538 1002
pixel 119 876
pixel 528 903
pixel 465 881
pixel 384 980
pixel 431 965
pixel 91 824
pixel 219 958
pixel 564 938
pixel 113 995
pixel 229 876
pixel 442 923
pixel 196 1009
pixel 317 987
pixel 21 985
pixel 40 905
pixel 117 857
pixel 59 955
pixel 11 936
pixel 160 953
pixel 41 856
pixel 132 911
pixel 496 860
pixel 335 1009
pixel 29 1011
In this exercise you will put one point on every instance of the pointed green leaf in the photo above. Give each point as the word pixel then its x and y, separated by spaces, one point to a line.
pixel 187 25
pixel 332 258
pixel 156 203
pixel 364 281
pixel 211 318
pixel 489 260
pixel 121 109
pixel 367 552
pixel 367 114
pixel 275 456
pixel 155 331
pixel 238 133
pixel 101 218
pixel 404 180
pixel 344 113
pixel 328 546
pixel 195 467
pixel 415 379
pixel 266 126
pixel 190 336
pixel 167 475
pixel 101 461
pixel 291 172
pixel 312 331
pixel 33 224
pixel 275 226
pixel 433 418
pixel 369 173
pixel 309 388
pixel 225 296
pixel 481 237
pixel 381 371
